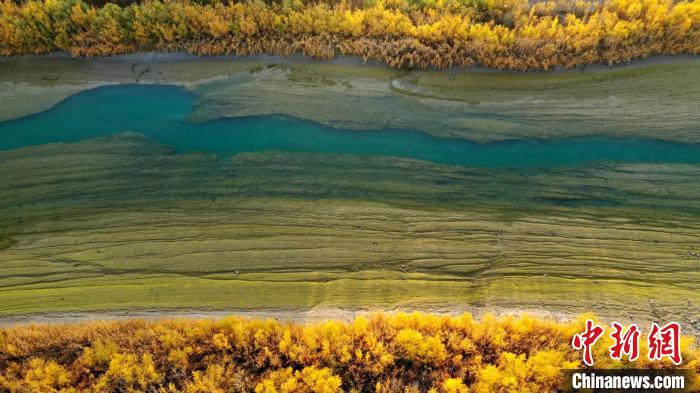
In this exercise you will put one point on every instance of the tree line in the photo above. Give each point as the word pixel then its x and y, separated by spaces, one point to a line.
pixel 510 34
pixel 383 353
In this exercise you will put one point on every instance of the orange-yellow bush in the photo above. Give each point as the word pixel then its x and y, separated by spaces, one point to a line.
pixel 418 348
pixel 381 353
pixel 309 379
pixel 402 33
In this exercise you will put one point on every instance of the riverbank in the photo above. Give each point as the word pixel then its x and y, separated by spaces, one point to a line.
pixel 314 315
pixel 306 316
pixel 105 219
pixel 518 35
pixel 652 99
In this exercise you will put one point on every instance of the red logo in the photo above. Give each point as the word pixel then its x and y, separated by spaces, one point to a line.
pixel 663 342
pixel 627 344
pixel 586 340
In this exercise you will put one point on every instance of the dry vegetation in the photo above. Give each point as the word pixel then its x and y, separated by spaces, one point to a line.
pixel 403 33
pixel 382 353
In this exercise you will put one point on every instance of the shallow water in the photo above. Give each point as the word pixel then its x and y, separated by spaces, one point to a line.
pixel 160 112
pixel 571 191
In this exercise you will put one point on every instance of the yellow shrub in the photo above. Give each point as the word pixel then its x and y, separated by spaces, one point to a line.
pixel 414 346
pixel 454 385
pixel 441 33
pixel 45 376
pixel 308 380
pixel 383 352
pixel 131 373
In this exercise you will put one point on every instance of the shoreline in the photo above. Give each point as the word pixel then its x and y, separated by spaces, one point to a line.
pixel 477 104
pixel 349 60
pixel 301 315
pixel 309 316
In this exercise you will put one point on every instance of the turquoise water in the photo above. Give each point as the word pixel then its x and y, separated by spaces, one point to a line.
pixel 160 112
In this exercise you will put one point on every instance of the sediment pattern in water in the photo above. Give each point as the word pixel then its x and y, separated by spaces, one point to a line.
pixel 95 216
pixel 123 222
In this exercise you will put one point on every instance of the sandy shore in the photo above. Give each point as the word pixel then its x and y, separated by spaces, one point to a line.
pixel 314 315
pixel 310 315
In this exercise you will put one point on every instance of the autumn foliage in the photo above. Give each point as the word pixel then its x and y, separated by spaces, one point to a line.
pixel 381 353
pixel 403 33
